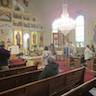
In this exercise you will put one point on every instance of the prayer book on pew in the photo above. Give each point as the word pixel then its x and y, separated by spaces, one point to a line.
pixel 93 91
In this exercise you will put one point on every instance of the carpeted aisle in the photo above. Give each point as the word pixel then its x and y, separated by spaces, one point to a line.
pixel 64 67
pixel 88 75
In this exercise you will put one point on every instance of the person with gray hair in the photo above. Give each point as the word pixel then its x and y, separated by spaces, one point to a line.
pixel 4 56
pixel 46 54
pixel 50 69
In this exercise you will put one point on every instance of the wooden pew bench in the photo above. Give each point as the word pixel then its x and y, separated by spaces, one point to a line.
pixel 82 89
pixel 17 65
pixel 18 79
pixel 52 86
pixel 68 81
pixel 13 71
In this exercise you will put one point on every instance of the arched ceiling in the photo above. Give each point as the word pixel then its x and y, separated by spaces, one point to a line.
pixel 48 10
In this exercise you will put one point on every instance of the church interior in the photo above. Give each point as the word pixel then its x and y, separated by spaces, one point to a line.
pixel 47 48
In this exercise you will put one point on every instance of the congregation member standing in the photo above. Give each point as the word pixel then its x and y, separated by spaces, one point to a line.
pixel 53 51
pixel 46 55
pixel 4 56
pixel 93 48
pixel 88 55
pixel 67 54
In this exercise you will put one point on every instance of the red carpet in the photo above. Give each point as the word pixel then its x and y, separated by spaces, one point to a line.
pixel 63 68
pixel 88 75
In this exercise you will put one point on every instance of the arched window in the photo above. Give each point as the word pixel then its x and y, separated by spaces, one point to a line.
pixel 79 31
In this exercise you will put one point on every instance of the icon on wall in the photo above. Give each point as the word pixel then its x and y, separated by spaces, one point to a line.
pixel 18 38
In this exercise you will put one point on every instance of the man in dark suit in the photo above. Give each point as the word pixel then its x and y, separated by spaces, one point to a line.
pixel 50 69
pixel 4 56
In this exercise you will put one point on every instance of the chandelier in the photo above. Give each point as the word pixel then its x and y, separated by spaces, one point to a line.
pixel 65 23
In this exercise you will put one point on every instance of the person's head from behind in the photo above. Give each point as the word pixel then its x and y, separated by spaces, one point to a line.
pixel 46 48
pixel 88 46
pixel 51 60
pixel 92 46
pixel 52 45
pixel 2 44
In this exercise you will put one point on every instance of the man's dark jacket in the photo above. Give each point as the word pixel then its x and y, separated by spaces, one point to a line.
pixel 4 56
pixel 49 70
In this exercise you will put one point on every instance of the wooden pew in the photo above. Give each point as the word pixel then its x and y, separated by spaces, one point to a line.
pixel 82 89
pixel 18 79
pixel 13 71
pixel 50 86
pixel 72 79
pixel 17 63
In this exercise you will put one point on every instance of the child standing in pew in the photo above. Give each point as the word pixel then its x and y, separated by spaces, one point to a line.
pixel 50 69
pixel 88 56
pixel 82 61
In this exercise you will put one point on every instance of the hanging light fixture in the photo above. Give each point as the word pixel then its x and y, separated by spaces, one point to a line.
pixel 63 24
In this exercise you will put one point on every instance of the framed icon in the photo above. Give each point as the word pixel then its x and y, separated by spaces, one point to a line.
pixel 18 37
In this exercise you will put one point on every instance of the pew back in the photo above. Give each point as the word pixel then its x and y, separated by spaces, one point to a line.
pixel 82 89
pixel 52 86
pixel 17 65
pixel 69 80
pixel 13 71
pixel 18 79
